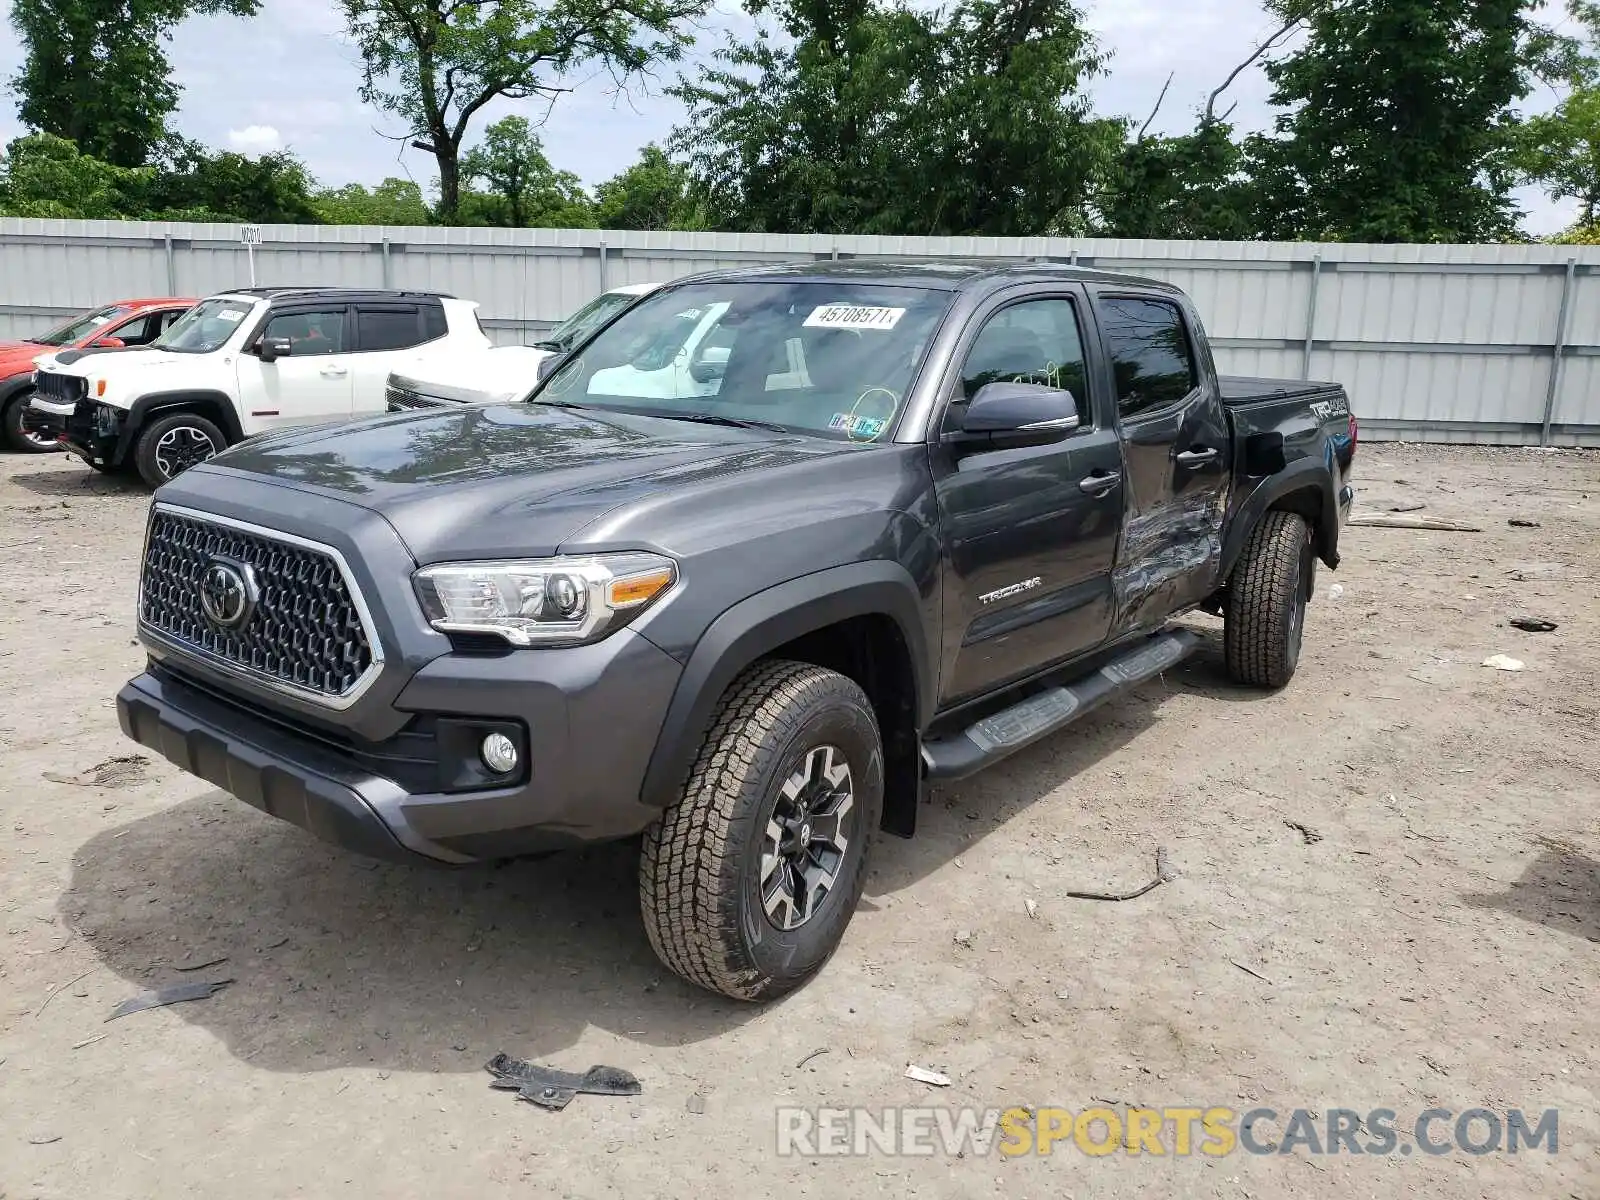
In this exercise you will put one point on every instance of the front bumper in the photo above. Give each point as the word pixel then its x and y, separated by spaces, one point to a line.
pixel 589 722
pixel 93 431
pixel 50 416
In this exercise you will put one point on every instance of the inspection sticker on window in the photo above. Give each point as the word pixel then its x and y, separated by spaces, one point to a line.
pixel 864 428
pixel 853 316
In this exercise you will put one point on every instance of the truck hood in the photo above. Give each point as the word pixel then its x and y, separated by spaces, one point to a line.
pixel 502 480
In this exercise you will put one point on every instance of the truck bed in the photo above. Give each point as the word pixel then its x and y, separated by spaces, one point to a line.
pixel 1250 389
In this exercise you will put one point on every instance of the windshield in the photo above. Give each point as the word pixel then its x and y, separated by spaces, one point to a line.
pixel 81 326
pixel 205 327
pixel 587 319
pixel 832 359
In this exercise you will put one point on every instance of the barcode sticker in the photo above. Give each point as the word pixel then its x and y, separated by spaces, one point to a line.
pixel 853 316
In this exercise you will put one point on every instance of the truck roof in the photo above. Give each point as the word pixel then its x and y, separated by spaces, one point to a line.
pixel 334 293
pixel 953 274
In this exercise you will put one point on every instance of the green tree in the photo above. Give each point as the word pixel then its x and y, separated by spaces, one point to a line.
pixel 194 183
pixel 524 189
pixel 42 175
pixel 1398 121
pixel 654 193
pixel 436 63
pixel 392 202
pixel 1188 186
pixel 1560 150
pixel 894 118
pixel 94 71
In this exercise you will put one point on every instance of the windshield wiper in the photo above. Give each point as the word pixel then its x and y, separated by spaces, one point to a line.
pixel 719 419
pixel 567 404
pixel 548 344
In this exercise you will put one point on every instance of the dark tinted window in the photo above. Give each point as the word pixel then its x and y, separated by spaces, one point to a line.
pixel 310 332
pixel 433 325
pixel 387 328
pixel 1033 342
pixel 1150 353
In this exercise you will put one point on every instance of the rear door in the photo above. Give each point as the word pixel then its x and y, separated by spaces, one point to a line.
pixel 1177 449
pixel 1032 532
pixel 313 384
pixel 385 332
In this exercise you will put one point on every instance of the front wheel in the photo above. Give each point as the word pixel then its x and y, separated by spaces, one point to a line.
pixel 171 445
pixel 24 429
pixel 748 881
pixel 1265 618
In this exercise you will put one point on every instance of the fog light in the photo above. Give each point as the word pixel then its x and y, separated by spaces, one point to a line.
pixel 499 753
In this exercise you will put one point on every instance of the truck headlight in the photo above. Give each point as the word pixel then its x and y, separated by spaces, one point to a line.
pixel 543 602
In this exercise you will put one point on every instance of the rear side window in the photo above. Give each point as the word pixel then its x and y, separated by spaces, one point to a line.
pixel 387 328
pixel 1150 354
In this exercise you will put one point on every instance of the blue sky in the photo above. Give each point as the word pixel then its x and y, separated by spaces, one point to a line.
pixel 289 78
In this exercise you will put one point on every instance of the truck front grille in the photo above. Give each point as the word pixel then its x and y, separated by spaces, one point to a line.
pixel 303 630
pixel 404 399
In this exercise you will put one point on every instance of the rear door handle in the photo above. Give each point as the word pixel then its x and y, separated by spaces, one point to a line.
pixel 1099 481
pixel 1198 457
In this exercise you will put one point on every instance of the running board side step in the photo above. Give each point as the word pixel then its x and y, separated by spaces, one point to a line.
pixel 1003 734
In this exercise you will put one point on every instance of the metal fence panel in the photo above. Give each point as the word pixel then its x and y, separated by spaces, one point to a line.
pixel 1448 343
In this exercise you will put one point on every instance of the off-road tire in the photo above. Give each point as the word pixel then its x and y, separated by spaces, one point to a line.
pixel 11 431
pixel 1265 617
pixel 700 869
pixel 148 452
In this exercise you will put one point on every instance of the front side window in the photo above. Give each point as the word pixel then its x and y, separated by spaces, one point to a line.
pixel 387 328
pixel 80 327
pixel 1150 354
pixel 205 327
pixel 834 359
pixel 1036 341
pixel 312 332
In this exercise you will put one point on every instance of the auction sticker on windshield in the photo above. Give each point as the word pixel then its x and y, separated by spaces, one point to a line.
pixel 853 316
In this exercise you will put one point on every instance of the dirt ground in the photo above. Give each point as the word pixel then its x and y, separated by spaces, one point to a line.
pixel 1430 939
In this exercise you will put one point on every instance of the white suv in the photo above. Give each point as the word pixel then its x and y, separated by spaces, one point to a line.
pixel 502 373
pixel 243 363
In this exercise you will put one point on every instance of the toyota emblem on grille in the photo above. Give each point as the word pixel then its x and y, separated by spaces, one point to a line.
pixel 228 593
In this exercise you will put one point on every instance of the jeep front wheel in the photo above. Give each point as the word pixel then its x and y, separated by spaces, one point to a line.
pixel 171 445
pixel 748 881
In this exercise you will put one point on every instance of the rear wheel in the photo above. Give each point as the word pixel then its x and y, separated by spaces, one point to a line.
pixel 171 445
pixel 23 428
pixel 748 882
pixel 1264 622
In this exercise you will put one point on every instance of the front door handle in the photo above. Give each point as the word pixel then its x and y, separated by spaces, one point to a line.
pixel 1197 457
pixel 1099 482
pixel 335 372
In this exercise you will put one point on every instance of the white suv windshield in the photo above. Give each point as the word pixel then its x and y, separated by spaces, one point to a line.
pixel 585 321
pixel 828 358
pixel 205 327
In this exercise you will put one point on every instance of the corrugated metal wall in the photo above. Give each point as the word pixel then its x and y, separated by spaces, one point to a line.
pixel 1440 343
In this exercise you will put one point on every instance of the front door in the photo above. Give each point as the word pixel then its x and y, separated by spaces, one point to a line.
pixel 1031 532
pixel 310 386
pixel 1178 458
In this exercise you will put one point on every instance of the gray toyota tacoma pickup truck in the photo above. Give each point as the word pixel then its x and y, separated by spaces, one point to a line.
pixel 885 524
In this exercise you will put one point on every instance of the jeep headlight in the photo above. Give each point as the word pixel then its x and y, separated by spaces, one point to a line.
pixel 543 602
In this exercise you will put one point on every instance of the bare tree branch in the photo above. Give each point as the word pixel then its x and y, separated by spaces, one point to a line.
pixel 1284 31
pixel 1156 109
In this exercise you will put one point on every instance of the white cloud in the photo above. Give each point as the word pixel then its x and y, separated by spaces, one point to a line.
pixel 255 139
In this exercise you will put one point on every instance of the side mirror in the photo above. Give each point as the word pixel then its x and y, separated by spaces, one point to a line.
pixel 709 365
pixel 274 348
pixel 109 343
pixel 1019 414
